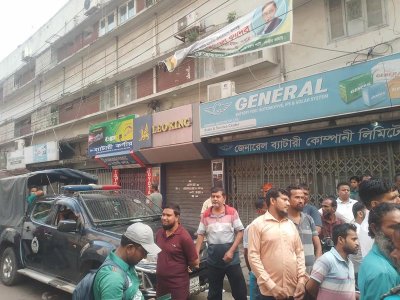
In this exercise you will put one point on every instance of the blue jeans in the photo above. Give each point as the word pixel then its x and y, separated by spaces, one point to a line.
pixel 253 286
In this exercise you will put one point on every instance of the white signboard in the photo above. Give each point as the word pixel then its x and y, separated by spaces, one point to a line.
pixel 41 153
pixel 16 160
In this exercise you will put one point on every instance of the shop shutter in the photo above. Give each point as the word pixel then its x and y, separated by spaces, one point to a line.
pixel 188 185
pixel 322 169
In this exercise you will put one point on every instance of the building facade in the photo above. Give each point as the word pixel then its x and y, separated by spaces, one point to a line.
pixel 98 61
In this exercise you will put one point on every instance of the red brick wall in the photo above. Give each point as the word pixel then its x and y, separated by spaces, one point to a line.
pixel 75 110
pixel 145 84
pixel 139 5
pixel 182 74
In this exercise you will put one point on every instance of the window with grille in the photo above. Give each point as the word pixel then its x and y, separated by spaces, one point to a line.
pixel 351 17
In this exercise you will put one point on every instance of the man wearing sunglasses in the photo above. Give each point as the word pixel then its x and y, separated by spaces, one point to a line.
pixel 110 281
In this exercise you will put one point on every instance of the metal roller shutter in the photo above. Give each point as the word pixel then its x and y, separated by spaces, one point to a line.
pixel 188 185
pixel 322 169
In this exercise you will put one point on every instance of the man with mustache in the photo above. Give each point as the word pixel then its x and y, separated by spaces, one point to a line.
pixel 332 275
pixel 224 231
pixel 305 226
pixel 379 271
pixel 276 253
pixel 177 254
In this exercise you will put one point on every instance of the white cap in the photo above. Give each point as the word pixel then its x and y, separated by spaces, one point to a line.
pixel 143 235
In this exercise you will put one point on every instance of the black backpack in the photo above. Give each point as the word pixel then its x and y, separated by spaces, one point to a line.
pixel 84 289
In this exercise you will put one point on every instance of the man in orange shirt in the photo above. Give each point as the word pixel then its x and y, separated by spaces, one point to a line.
pixel 276 254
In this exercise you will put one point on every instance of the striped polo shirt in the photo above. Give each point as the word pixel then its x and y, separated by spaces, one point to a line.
pixel 220 231
pixel 307 230
pixel 336 276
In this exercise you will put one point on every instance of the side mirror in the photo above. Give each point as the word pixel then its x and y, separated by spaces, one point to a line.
pixel 67 226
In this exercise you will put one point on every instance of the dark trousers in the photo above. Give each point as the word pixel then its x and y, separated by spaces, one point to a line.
pixel 236 280
pixel 261 297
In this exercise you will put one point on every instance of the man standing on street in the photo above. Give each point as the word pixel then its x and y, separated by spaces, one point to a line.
pixel 329 220
pixel 332 276
pixel 155 196
pixel 136 243
pixel 261 208
pixel 276 253
pixel 310 209
pixel 305 226
pixel 219 224
pixel 379 271
pixel 372 193
pixel 177 254
pixel 344 202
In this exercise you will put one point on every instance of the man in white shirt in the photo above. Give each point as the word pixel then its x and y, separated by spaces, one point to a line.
pixel 373 192
pixel 344 202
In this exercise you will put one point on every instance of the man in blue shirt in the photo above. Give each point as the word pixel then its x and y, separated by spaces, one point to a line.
pixel 379 271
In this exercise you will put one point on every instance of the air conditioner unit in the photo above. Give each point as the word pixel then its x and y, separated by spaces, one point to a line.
pixel 220 90
pixel 91 6
pixel 188 22
pixel 26 54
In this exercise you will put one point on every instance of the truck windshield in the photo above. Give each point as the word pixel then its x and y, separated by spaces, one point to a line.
pixel 118 205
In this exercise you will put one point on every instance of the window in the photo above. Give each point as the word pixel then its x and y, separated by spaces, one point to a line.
pixel 126 11
pixel 125 94
pixel 245 58
pixel 149 3
pixel 350 17
pixel 107 24
pixel 107 99
pixel 41 212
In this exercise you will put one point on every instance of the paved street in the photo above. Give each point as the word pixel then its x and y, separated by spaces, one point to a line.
pixel 30 289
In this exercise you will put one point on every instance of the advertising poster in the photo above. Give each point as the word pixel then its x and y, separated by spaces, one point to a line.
pixel 268 25
pixel 366 86
pixel 111 136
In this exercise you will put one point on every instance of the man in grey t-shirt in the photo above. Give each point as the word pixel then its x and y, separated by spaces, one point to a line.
pixel 155 196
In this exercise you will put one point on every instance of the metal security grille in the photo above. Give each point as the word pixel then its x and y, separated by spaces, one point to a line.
pixel 322 169
pixel 133 179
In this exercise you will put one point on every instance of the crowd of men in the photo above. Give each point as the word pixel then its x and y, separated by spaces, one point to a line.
pixel 349 249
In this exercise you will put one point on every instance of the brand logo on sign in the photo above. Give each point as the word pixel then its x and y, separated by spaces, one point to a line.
pixel 183 123
pixel 144 133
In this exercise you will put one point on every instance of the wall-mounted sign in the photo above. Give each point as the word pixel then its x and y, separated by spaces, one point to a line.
pixel 217 170
pixel 362 87
pixel 41 153
pixel 173 125
pixel 16 160
pixel 337 137
pixel 116 179
pixel 143 137
pixel 111 136
pixel 152 177
pixel 120 160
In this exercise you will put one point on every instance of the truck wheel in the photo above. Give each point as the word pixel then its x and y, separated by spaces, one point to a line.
pixel 9 267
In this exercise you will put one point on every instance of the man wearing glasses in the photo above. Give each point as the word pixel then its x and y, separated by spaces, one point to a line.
pixel 110 281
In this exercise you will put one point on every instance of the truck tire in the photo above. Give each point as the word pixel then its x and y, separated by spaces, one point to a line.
pixel 9 267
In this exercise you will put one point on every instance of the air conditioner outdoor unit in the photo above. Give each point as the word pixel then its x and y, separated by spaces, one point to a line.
pixel 188 22
pixel 91 6
pixel 220 90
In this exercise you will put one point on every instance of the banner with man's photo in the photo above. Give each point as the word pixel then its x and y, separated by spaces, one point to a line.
pixel 268 25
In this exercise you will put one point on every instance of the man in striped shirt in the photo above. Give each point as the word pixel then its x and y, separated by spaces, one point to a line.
pixel 332 277
pixel 224 230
